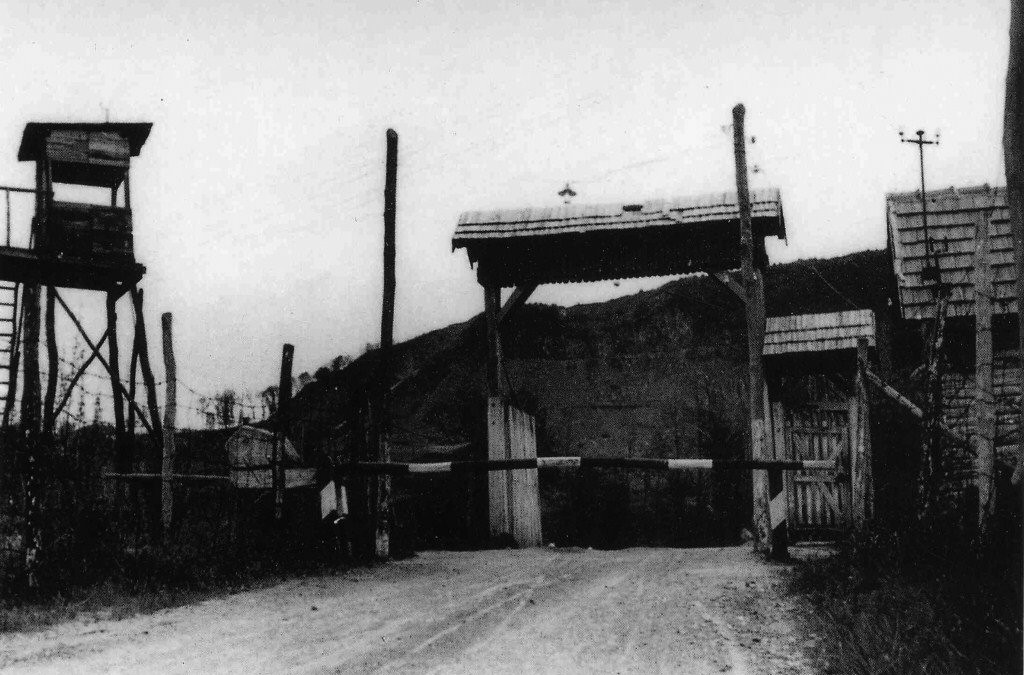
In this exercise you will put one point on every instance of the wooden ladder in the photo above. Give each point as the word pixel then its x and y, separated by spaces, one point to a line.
pixel 8 347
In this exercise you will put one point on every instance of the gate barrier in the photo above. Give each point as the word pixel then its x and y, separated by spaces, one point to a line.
pixel 777 497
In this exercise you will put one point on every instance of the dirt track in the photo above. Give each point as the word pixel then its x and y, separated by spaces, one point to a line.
pixel 541 610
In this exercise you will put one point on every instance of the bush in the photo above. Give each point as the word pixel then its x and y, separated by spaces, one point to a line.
pixel 892 602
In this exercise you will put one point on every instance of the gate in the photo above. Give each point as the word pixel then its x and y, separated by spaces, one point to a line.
pixel 819 502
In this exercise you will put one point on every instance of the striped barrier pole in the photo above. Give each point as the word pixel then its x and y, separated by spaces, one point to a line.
pixel 772 466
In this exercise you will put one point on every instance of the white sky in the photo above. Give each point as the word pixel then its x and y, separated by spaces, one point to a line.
pixel 258 197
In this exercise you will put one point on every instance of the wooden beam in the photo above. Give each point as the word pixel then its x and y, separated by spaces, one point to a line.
pixel 860 451
pixel 284 397
pixel 176 477
pixel 730 284
pixel 31 438
pixel 382 407
pixel 53 361
pixel 495 363
pixel 170 416
pixel 765 538
pixel 132 390
pixel 1013 158
pixel 914 409
pixel 984 409
pixel 78 374
pixel 931 466
pixel 147 370
pixel 518 298
pixel 123 458
pixel 99 356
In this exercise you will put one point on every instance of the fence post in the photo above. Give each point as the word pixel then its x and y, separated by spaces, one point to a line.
pixel 284 396
pixel 170 407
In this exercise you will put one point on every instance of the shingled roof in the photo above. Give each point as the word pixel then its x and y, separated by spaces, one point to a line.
pixel 612 241
pixel 830 331
pixel 954 215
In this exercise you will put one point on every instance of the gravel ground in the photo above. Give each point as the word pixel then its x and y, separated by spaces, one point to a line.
pixel 715 610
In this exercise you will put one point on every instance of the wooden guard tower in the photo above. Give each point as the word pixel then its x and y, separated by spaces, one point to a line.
pixel 523 248
pixel 82 246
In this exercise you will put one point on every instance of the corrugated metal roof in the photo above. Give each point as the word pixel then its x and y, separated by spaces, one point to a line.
pixel 953 218
pixel 581 219
pixel 818 332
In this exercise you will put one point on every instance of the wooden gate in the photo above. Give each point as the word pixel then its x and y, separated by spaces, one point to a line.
pixel 819 504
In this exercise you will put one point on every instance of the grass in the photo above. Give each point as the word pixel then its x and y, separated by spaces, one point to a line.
pixel 146 583
pixel 886 605
pixel 107 600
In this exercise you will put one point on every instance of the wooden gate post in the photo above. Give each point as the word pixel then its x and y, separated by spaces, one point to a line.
pixel 860 443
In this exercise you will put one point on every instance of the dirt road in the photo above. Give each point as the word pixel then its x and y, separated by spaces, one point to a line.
pixel 527 611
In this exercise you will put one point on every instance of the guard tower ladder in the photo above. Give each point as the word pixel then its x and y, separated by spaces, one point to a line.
pixel 9 341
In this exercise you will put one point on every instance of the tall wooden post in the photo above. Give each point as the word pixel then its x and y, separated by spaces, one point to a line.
pixel 123 459
pixel 862 491
pixel 54 366
pixel 984 396
pixel 382 506
pixel 131 423
pixel 284 397
pixel 147 370
pixel 931 469
pixel 754 286
pixel 495 363
pixel 1013 157
pixel 170 414
pixel 31 437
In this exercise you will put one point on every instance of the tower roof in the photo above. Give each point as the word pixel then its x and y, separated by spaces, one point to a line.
pixel 33 141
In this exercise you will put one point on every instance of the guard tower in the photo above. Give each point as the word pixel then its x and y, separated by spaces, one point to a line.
pixel 71 244
pixel 78 245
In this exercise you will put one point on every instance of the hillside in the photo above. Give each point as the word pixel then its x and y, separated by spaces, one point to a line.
pixel 658 373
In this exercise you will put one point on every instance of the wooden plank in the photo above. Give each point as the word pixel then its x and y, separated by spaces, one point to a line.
pixel 730 284
pixel 861 458
pixel 518 298
pixel 497 485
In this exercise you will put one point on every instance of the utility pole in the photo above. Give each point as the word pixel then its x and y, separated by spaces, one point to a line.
pixel 767 536
pixel 931 267
pixel 381 409
pixel 934 335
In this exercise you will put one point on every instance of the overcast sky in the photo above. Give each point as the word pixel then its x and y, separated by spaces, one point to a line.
pixel 257 198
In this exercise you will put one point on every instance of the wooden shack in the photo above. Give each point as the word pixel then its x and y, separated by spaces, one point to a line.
pixel 968 231
pixel 249 455
pixel 819 409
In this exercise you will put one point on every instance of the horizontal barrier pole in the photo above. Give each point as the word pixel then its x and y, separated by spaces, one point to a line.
pixel 160 476
pixel 396 468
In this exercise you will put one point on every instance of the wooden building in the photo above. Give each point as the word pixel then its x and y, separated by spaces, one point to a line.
pixel 968 233
pixel 819 409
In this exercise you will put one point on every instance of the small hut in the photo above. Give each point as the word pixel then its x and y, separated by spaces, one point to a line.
pixel 818 409
pixel 250 451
